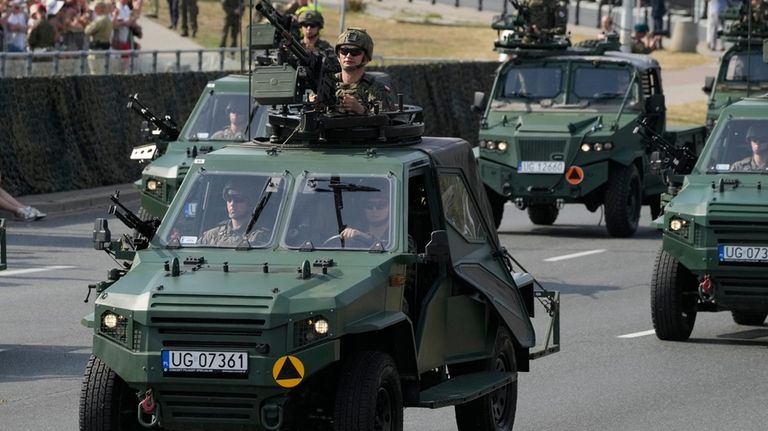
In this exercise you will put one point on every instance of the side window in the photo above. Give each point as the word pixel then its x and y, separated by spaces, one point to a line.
pixel 419 218
pixel 458 209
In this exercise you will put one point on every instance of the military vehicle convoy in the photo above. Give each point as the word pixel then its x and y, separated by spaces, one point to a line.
pixel 557 129
pixel 169 153
pixel 741 72
pixel 714 255
pixel 294 323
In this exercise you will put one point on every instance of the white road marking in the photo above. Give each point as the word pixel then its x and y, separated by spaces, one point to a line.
pixel 575 255
pixel 12 272
pixel 638 334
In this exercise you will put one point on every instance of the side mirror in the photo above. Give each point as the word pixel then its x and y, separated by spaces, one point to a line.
pixel 437 249
pixel 478 104
pixel 709 82
pixel 102 237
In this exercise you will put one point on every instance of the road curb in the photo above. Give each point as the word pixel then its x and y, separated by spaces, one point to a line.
pixel 75 200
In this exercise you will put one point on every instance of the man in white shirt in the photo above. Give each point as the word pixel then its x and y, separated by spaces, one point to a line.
pixel 17 28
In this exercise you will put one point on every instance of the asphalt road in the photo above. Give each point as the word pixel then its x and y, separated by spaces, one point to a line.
pixel 599 381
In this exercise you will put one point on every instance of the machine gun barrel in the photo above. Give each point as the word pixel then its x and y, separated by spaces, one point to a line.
pixel 145 228
pixel 678 157
pixel 321 70
pixel 166 125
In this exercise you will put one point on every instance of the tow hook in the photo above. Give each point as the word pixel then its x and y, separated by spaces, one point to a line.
pixel 148 408
pixel 520 203
pixel 705 288
pixel 272 416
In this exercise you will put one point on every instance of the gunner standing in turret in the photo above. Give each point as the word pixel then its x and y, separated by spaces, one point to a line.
pixel 358 92
pixel 311 22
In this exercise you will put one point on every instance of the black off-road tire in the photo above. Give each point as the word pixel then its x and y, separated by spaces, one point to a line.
pixel 497 205
pixel 623 200
pixel 369 396
pixel 106 402
pixel 495 411
pixel 673 298
pixel 655 204
pixel 749 318
pixel 543 214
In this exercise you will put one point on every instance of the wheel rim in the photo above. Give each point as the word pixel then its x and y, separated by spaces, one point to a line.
pixel 383 418
pixel 499 397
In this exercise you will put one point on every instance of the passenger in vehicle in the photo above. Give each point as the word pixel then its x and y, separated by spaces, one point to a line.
pixel 237 121
pixel 758 142
pixel 358 92
pixel 231 232
pixel 376 227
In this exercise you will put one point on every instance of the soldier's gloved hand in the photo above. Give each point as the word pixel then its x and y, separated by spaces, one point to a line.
pixel 354 234
pixel 349 103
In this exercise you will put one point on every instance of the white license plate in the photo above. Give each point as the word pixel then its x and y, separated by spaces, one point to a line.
pixel 743 253
pixel 543 167
pixel 186 361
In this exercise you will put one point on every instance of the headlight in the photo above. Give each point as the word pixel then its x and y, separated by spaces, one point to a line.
pixel 502 146
pixel 598 146
pixel 153 185
pixel 585 147
pixel 679 226
pixel 114 326
pixel 491 145
pixel 310 330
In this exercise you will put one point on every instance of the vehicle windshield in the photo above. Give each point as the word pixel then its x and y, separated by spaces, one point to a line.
pixel 217 208
pixel 223 117
pixel 602 84
pixel 736 67
pixel 531 82
pixel 737 145
pixel 325 205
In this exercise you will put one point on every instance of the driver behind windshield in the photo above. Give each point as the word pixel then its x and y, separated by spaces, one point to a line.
pixel 240 204
pixel 237 121
pixel 757 138
pixel 375 227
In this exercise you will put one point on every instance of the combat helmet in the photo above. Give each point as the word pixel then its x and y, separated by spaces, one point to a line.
pixel 311 16
pixel 356 37
pixel 239 184
pixel 754 133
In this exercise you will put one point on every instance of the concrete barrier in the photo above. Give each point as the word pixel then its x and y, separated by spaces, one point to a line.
pixel 684 37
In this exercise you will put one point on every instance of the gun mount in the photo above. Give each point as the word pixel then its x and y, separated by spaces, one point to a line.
pixel 284 81
pixel 535 25
pixel 679 160
pixel 737 25
pixel 165 129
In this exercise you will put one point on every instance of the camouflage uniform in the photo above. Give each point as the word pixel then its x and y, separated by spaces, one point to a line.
pixel 323 47
pixel 227 133
pixel 224 235
pixel 368 91
pixel 748 164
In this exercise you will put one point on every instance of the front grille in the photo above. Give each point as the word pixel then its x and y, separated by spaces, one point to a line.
pixel 540 149
pixel 210 407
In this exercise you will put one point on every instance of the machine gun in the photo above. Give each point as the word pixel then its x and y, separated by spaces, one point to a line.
pixel 318 72
pixel 145 228
pixel 680 159
pixel 539 26
pixel 165 129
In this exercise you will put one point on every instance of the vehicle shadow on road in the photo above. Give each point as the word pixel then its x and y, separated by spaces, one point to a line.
pixel 578 232
pixel 19 362
pixel 746 337
pixel 578 289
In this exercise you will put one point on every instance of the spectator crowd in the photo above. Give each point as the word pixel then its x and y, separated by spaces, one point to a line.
pixel 69 25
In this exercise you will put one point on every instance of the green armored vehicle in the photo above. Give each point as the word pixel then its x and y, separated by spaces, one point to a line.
pixel 323 278
pixel 714 255
pixel 219 118
pixel 741 72
pixel 558 130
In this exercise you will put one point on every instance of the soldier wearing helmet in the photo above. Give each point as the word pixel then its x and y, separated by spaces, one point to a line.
pixel 237 115
pixel 357 91
pixel 311 22
pixel 240 203
pixel 757 138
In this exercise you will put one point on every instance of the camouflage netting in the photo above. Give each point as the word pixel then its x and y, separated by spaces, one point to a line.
pixel 75 132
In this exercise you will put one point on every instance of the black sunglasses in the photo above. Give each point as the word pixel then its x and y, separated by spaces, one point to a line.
pixel 354 52
pixel 309 24
pixel 234 198
pixel 377 204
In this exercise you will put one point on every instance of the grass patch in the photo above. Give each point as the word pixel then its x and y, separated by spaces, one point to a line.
pixel 404 39
pixel 687 113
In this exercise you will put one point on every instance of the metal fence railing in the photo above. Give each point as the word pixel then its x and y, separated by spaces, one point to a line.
pixel 52 63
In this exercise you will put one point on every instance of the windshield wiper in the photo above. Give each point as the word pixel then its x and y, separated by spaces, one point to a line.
pixel 270 187
pixel 605 96
pixel 521 95
pixel 336 185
